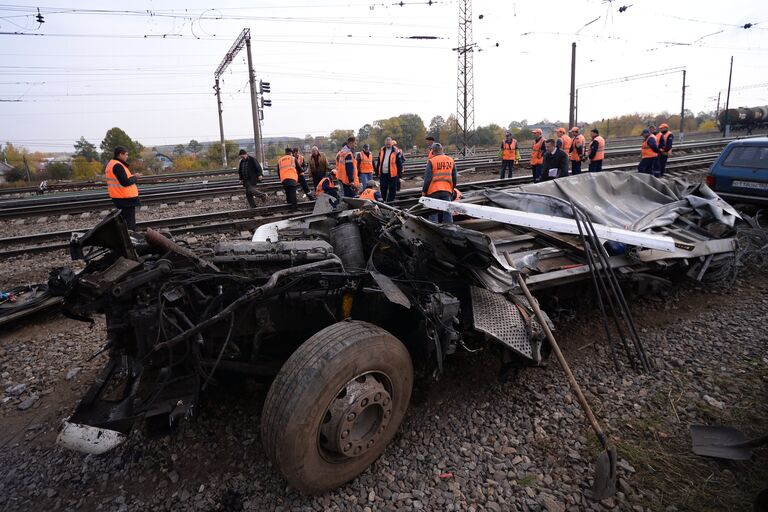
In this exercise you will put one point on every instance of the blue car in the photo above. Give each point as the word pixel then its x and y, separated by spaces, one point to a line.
pixel 740 174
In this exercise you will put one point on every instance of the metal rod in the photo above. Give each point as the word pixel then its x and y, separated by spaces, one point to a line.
pixel 726 128
pixel 257 148
pixel 221 125
pixel 571 113
pixel 682 110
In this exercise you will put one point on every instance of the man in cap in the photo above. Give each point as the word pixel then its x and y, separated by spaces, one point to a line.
pixel 596 151
pixel 121 186
pixel 649 152
pixel 440 179
pixel 365 165
pixel 509 155
pixel 250 173
pixel 664 142
pixel 346 167
pixel 537 155
pixel 578 150
pixel 327 185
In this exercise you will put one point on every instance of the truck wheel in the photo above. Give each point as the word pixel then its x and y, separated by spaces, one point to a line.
pixel 336 404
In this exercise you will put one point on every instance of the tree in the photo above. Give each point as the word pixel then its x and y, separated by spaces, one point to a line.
pixel 83 169
pixel 364 132
pixel 435 125
pixel 194 146
pixel 186 163
pixel 708 126
pixel 213 155
pixel 179 149
pixel 338 137
pixel 117 137
pixel 489 135
pixel 59 171
pixel 412 130
pixel 86 150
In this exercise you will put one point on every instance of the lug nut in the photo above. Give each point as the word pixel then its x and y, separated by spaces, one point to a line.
pixel 351 416
pixel 364 402
pixel 347 447
pixel 377 397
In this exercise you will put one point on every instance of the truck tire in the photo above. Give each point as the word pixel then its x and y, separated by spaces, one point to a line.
pixel 335 405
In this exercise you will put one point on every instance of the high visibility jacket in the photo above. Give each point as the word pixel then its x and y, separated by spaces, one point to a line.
pixel 600 154
pixel 319 189
pixel 341 167
pixel 662 143
pixel 300 160
pixel 576 153
pixel 115 189
pixel 646 151
pixel 429 154
pixel 286 168
pixel 537 153
pixel 366 163
pixel 392 160
pixel 508 150
pixel 369 194
pixel 565 143
pixel 442 174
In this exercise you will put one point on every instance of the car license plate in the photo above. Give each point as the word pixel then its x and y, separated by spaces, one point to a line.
pixel 750 184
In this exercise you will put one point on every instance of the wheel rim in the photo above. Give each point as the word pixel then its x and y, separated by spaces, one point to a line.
pixel 357 417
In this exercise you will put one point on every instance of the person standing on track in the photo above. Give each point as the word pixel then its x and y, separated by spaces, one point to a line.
pixel 665 148
pixel 649 152
pixel 509 156
pixel 346 167
pixel 578 150
pixel 389 168
pixel 537 155
pixel 365 165
pixel 440 179
pixel 596 151
pixel 250 173
pixel 318 166
pixel 555 161
pixel 429 140
pixel 289 177
pixel 563 142
pixel 301 166
pixel 122 188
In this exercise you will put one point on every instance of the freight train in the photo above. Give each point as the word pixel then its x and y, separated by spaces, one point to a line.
pixel 744 118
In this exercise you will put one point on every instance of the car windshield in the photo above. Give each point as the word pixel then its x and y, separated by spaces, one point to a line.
pixel 747 156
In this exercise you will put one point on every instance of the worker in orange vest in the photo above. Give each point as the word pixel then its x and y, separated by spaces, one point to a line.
pixel 577 154
pixel 289 177
pixel 327 185
pixel 440 179
pixel 370 193
pixel 365 165
pixel 389 167
pixel 563 142
pixel 301 167
pixel 346 167
pixel 509 155
pixel 665 147
pixel 596 151
pixel 121 186
pixel 649 152
pixel 537 155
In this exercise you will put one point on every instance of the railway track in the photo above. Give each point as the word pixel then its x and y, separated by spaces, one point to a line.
pixel 249 219
pixel 184 192
pixel 173 180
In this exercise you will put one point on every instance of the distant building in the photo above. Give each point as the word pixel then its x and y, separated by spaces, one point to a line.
pixel 547 129
pixel 164 160
pixel 4 169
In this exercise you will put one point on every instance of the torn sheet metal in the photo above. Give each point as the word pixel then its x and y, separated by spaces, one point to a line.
pixel 550 223
pixel 391 290
pixel 88 439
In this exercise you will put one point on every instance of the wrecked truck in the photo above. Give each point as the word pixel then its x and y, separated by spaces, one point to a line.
pixel 334 308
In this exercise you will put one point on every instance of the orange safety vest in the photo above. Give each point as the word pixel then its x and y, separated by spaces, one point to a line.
pixel 646 151
pixel 663 142
pixel 509 150
pixel 366 163
pixel 600 154
pixel 286 168
pixel 442 174
pixel 341 167
pixel 369 194
pixel 537 153
pixel 575 152
pixel 115 189
pixel 429 154
pixel 392 160
pixel 300 160
pixel 319 189
pixel 565 143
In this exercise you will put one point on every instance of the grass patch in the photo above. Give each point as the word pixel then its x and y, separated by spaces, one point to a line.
pixel 528 480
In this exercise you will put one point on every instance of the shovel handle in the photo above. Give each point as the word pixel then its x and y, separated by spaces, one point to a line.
pixel 563 363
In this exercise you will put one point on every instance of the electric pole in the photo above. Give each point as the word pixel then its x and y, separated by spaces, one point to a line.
pixel 465 90
pixel 254 103
pixel 682 109
pixel 221 125
pixel 726 120
pixel 572 109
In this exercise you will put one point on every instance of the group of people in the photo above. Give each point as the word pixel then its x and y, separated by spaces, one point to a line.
pixel 550 158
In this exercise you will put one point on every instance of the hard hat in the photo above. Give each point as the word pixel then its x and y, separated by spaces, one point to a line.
pixel 663 125
pixel 575 129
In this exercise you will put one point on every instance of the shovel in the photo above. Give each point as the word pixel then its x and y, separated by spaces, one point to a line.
pixel 605 466
pixel 723 442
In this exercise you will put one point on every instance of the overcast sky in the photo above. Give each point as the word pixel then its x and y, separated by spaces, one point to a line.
pixel 343 63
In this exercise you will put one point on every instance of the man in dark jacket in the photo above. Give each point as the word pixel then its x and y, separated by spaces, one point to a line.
pixel 555 162
pixel 121 186
pixel 250 174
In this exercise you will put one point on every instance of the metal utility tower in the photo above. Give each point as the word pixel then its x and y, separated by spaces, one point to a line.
pixel 243 40
pixel 465 90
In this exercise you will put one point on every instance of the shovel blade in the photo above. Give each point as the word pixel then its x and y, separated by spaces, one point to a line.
pixel 719 442
pixel 605 474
